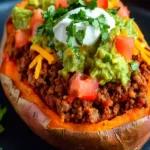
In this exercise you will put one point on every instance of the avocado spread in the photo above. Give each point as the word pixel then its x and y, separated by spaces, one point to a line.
pixel 21 17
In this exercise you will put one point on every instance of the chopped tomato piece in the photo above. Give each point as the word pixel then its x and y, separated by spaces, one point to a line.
pixel 141 101
pixel 83 87
pixel 70 99
pixel 108 103
pixel 35 27
pixel 125 46
pixel 102 3
pixel 21 38
pixel 124 97
pixel 36 20
pixel 123 11
pixel 61 3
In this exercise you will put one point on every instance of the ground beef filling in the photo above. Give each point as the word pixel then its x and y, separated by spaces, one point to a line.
pixel 113 98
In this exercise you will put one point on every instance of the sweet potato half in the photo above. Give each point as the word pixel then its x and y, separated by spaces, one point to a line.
pixel 129 131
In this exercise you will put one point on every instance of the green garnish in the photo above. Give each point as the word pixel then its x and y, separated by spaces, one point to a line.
pixel 99 22
pixel 107 58
pixel 113 11
pixel 134 66
pixel 71 29
pixel 2 112
pixel 92 4
pixel 79 36
pixel 76 3
pixel 80 16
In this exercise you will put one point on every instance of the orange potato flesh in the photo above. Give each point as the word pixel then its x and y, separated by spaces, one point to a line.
pixel 10 69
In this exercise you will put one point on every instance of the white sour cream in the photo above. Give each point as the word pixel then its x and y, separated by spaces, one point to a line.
pixel 92 34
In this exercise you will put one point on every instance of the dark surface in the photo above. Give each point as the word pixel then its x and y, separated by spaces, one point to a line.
pixel 17 135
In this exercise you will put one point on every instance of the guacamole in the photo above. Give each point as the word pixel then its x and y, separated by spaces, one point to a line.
pixel 21 17
pixel 34 3
pixel 108 65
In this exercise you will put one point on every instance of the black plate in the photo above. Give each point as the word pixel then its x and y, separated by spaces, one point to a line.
pixel 17 135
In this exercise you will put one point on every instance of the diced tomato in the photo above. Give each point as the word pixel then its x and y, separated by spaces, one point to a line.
pixel 61 3
pixel 83 87
pixel 21 38
pixel 125 46
pixel 141 101
pixel 108 103
pixel 36 20
pixel 123 11
pixel 102 3
pixel 70 99
pixel 124 97
pixel 35 27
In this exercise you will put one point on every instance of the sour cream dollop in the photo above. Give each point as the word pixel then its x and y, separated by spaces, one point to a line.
pixel 91 35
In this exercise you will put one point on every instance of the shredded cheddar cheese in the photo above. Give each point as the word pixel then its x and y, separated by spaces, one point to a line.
pixel 43 52
pixel 141 45
pixel 145 54
pixel 113 3
pixel 123 33
pixel 34 62
pixel 140 34
pixel 38 67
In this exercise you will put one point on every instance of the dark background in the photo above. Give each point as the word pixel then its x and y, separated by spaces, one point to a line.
pixel 17 135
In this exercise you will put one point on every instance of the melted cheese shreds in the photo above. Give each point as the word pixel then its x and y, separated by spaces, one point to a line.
pixel 147 53
pixel 135 51
pixel 43 52
pixel 140 34
pixel 38 67
pixel 34 62
pixel 144 53
pixel 113 3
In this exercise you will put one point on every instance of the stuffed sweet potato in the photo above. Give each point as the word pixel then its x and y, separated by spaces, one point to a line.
pixel 77 72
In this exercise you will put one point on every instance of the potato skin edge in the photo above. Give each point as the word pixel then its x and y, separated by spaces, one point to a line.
pixel 131 136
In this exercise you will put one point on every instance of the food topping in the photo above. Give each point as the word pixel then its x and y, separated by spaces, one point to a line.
pixel 21 18
pixel 83 87
pixel 125 46
pixel 86 59
pixel 83 26
pixel 21 38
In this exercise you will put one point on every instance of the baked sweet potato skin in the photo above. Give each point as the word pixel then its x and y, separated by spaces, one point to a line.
pixel 130 136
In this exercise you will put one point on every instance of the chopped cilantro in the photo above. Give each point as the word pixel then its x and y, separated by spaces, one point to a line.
pixel 134 66
pixel 60 55
pixel 76 51
pixel 76 3
pixel 79 36
pixel 51 44
pixel 2 112
pixel 81 15
pixel 70 41
pixel 113 11
pixel 107 58
pixel 71 29
pixel 92 4
pixel 95 24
